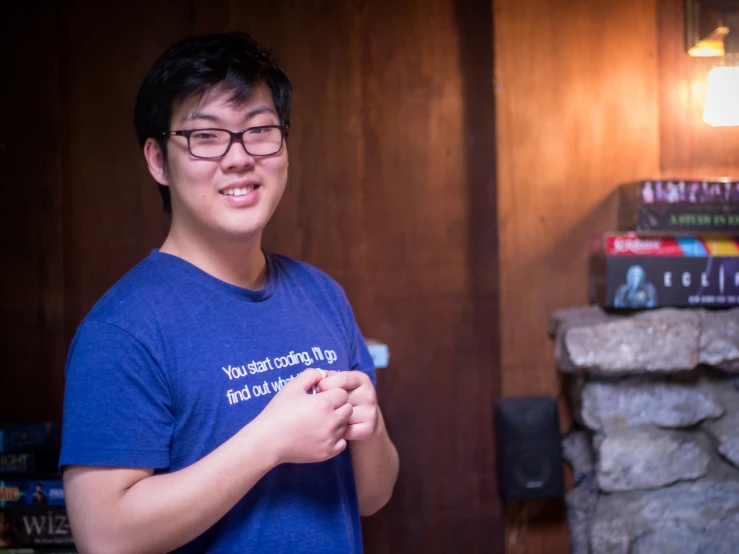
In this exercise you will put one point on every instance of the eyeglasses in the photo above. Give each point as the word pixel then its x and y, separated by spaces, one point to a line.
pixel 210 144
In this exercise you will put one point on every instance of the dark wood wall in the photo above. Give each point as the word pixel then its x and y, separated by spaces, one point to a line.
pixel 391 190
pixel 32 275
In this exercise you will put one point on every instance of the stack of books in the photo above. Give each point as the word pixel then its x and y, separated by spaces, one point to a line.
pixel 33 517
pixel 677 246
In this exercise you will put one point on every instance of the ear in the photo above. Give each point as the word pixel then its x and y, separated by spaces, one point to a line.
pixel 155 161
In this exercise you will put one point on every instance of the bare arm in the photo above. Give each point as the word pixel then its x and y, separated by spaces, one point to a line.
pixel 375 464
pixel 374 457
pixel 122 511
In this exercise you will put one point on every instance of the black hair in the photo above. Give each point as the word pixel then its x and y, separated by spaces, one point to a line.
pixel 197 64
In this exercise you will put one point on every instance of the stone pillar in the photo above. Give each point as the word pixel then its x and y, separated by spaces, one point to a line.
pixel 655 450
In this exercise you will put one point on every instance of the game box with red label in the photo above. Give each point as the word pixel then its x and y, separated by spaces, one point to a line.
pixel 629 271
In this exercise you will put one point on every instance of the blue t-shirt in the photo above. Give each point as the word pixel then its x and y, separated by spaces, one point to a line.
pixel 172 362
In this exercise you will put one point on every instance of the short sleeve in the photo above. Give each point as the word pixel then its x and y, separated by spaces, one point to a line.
pixel 359 355
pixel 117 402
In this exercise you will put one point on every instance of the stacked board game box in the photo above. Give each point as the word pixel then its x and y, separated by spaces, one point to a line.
pixel 35 527
pixel 630 271
pixel 680 206
pixel 33 517
pixel 676 246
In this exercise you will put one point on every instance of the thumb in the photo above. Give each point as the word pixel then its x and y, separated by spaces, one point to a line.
pixel 306 380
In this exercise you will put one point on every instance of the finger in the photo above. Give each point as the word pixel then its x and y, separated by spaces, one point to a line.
pixel 356 418
pixel 356 431
pixel 332 383
pixel 314 389
pixel 347 380
pixel 344 413
pixel 335 397
pixel 361 414
pixel 339 432
pixel 339 446
pixel 306 380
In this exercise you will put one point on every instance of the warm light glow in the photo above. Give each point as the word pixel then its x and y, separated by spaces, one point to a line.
pixel 722 97
pixel 712 45
pixel 704 50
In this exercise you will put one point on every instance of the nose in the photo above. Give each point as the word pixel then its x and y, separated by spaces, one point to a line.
pixel 236 156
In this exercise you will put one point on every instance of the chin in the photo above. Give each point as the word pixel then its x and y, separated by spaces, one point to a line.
pixel 242 234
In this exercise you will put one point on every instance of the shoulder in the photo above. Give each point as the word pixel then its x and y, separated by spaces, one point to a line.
pixel 298 268
pixel 303 283
pixel 129 323
pixel 306 275
pixel 136 298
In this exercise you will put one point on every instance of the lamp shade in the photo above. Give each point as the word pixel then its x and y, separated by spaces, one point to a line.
pixel 721 107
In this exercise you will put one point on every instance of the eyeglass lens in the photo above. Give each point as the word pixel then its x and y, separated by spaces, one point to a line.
pixel 213 143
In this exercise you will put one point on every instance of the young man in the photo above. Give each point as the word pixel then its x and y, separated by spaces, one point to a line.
pixel 194 420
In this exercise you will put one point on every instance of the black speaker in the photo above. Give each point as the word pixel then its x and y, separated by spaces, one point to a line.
pixel 528 448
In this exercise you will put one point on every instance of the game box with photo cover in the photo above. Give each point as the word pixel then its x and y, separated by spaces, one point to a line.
pixel 32 526
pixel 25 437
pixel 30 462
pixel 31 492
pixel 680 206
pixel 628 271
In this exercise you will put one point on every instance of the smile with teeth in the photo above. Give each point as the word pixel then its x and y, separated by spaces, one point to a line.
pixel 240 191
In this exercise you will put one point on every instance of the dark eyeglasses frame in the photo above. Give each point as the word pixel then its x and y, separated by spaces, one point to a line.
pixel 234 137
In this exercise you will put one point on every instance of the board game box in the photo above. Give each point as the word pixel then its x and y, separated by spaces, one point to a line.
pixel 31 492
pixel 680 207
pixel 31 462
pixel 25 437
pixel 32 526
pixel 630 271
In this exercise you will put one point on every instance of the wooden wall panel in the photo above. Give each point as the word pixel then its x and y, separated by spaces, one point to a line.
pixel 429 200
pixel 32 279
pixel 577 113
pixel 113 214
pixel 688 146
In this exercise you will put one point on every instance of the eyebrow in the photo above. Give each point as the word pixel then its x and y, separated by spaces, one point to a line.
pixel 215 119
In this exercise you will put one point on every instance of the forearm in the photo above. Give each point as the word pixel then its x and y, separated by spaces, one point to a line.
pixel 162 512
pixel 375 464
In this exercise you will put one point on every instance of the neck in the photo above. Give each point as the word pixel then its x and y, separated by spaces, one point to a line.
pixel 237 262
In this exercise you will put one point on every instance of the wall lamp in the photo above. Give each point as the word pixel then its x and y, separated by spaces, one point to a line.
pixel 712 30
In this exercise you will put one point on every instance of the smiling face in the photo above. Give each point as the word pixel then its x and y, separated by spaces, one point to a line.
pixel 227 199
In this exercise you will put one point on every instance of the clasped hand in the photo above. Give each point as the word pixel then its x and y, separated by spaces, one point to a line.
pixel 362 397
pixel 304 428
